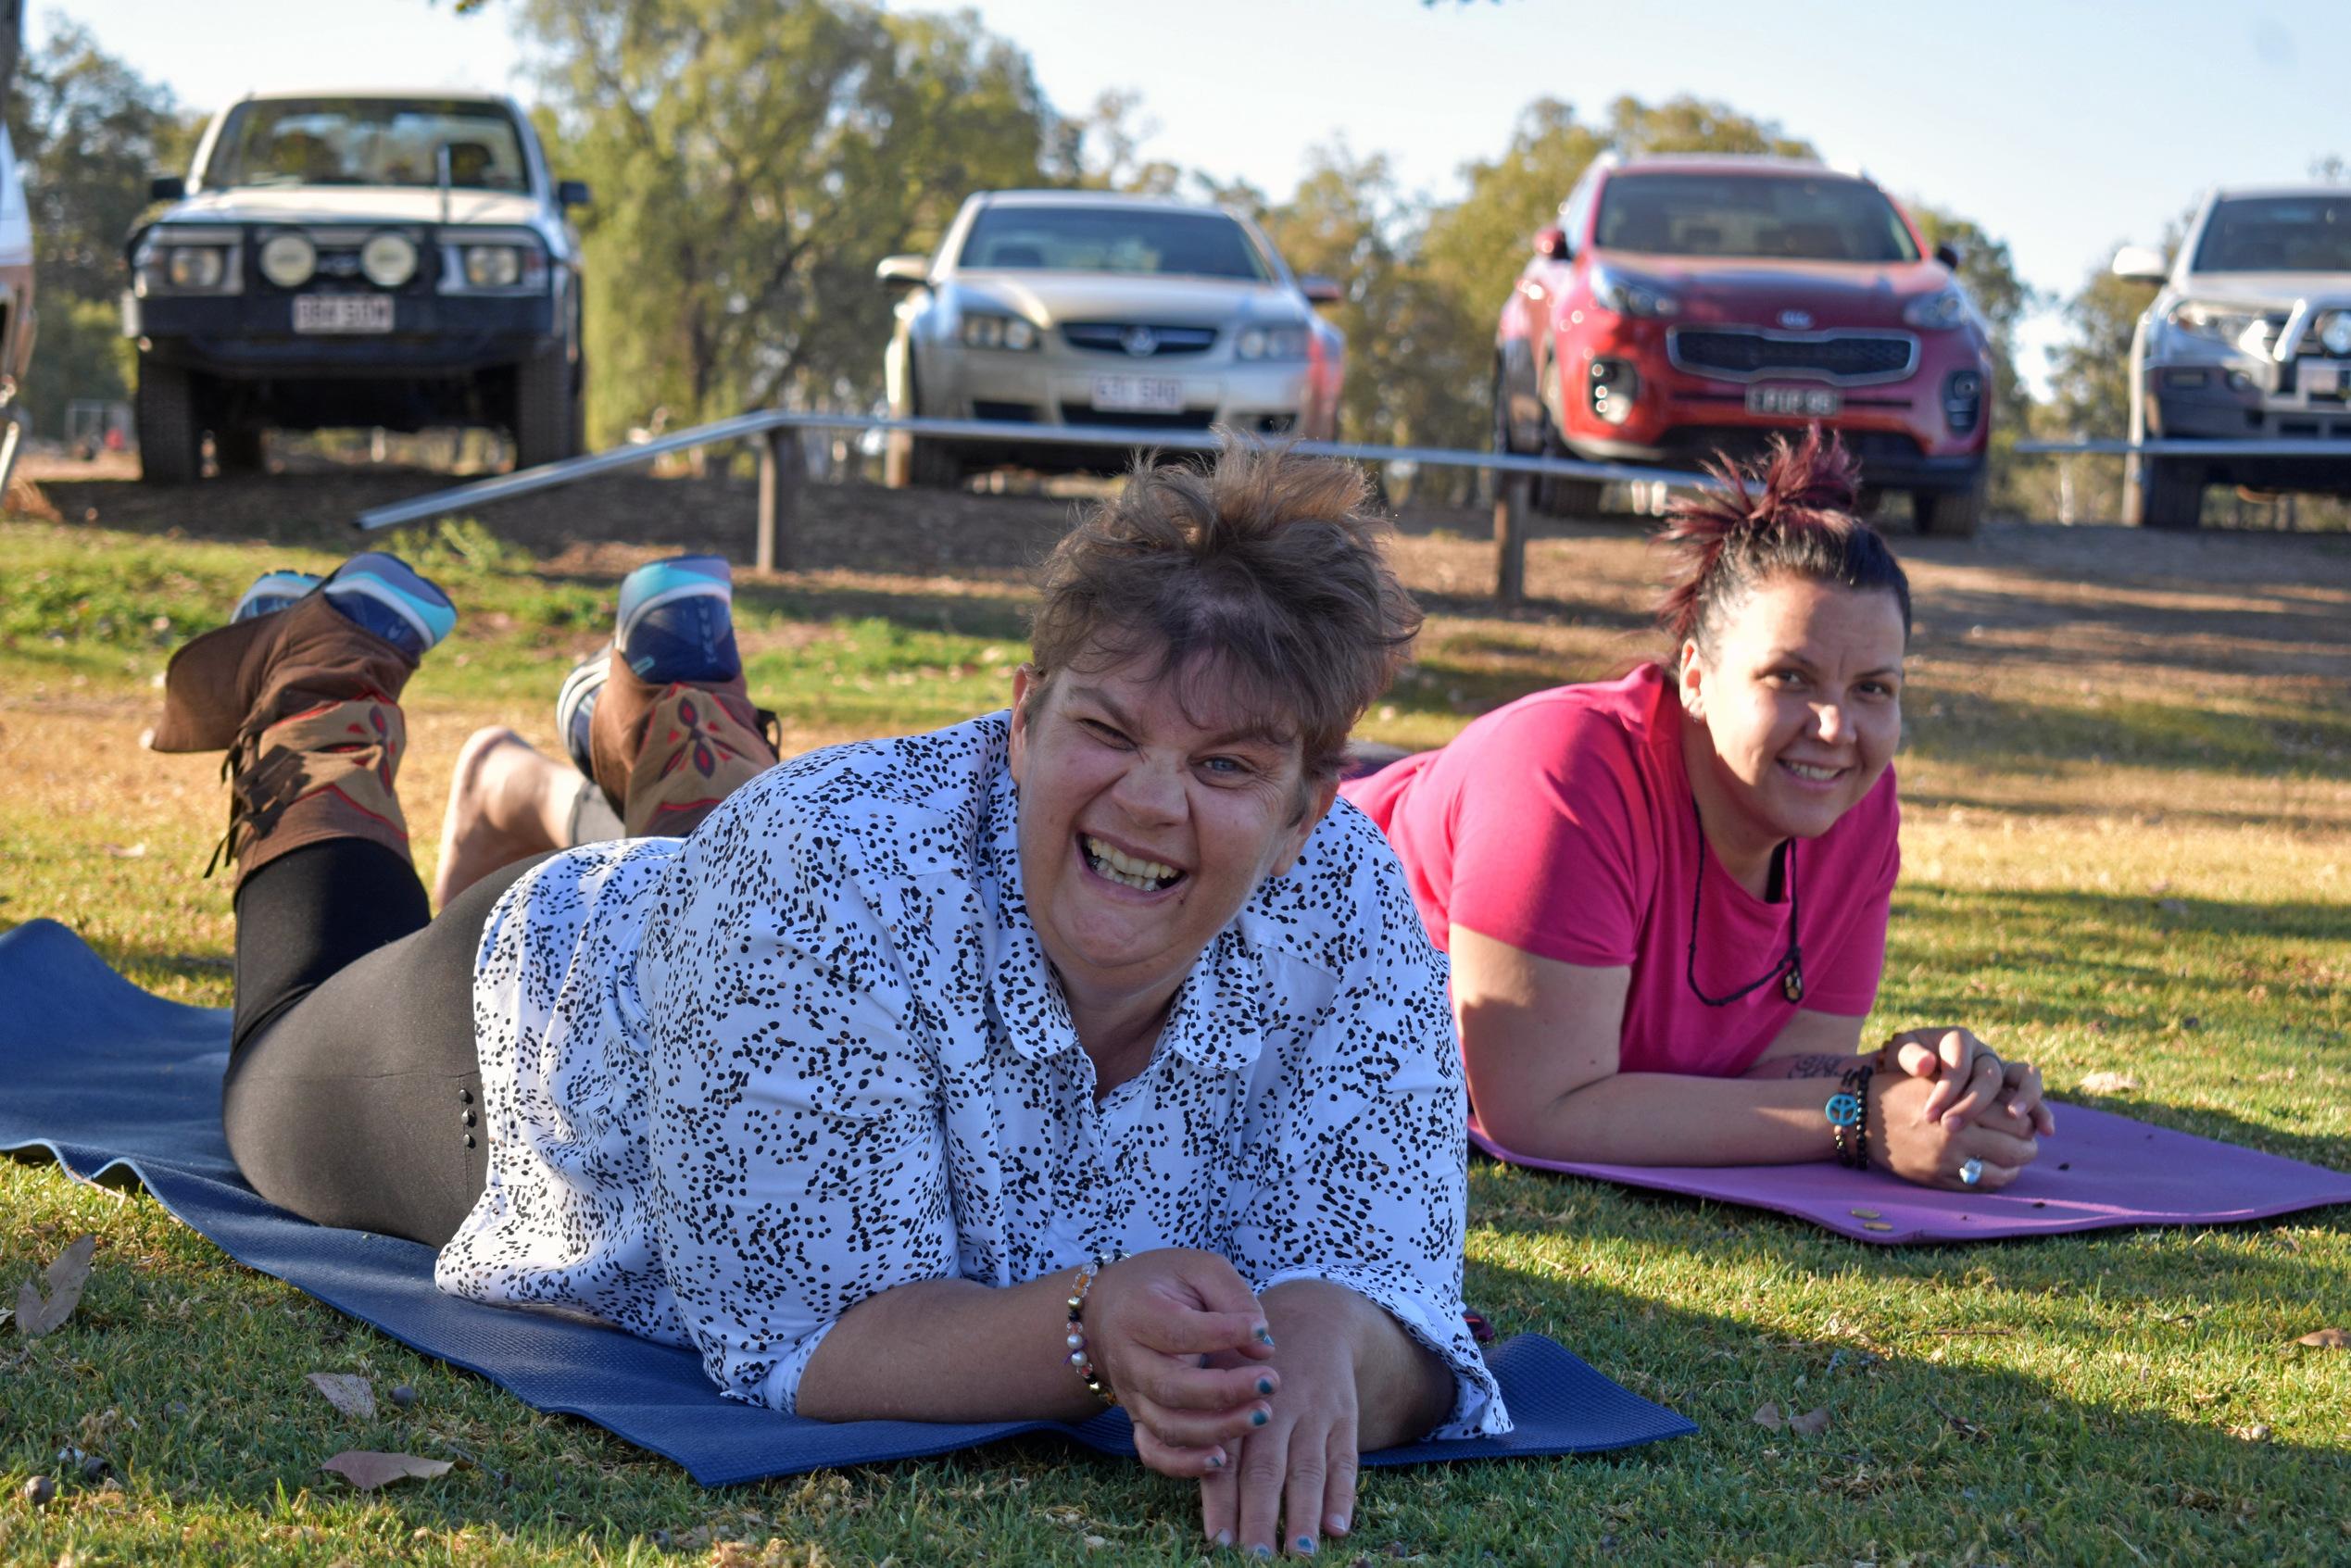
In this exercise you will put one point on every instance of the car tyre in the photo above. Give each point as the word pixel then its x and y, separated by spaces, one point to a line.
pixel 2170 496
pixel 1953 514
pixel 1555 497
pixel 546 419
pixel 170 450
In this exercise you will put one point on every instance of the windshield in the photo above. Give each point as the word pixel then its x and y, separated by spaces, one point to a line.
pixel 1788 216
pixel 367 142
pixel 1081 239
pixel 2277 234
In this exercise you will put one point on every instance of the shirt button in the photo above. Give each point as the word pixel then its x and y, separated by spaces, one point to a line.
pixel 469 1140
pixel 465 1096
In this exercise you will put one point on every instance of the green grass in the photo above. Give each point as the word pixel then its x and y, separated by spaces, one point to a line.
pixel 2151 876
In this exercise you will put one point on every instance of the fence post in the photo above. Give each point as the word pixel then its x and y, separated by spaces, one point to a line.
pixel 782 471
pixel 1510 536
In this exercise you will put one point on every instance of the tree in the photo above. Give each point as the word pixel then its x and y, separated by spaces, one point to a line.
pixel 751 160
pixel 1415 372
pixel 89 130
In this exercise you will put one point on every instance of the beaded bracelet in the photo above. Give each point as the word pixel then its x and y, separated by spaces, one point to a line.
pixel 1080 1362
pixel 1848 1112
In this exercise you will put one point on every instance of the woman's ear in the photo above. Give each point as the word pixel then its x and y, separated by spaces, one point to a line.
pixel 1692 677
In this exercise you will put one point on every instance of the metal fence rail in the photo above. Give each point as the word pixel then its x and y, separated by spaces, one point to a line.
pixel 2312 448
pixel 781 472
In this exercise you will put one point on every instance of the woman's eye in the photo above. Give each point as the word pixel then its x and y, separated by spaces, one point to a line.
pixel 1101 731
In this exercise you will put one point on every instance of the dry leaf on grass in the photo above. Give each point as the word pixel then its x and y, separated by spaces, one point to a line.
pixel 1812 1424
pixel 2109 1084
pixel 2326 1339
pixel 347 1392
pixel 66 1277
pixel 1767 1415
pixel 368 1471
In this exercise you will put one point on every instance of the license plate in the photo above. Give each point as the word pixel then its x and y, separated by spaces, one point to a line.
pixel 1138 394
pixel 1803 402
pixel 343 313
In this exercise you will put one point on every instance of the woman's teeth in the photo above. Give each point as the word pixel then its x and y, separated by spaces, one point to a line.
pixel 1806 770
pixel 1145 877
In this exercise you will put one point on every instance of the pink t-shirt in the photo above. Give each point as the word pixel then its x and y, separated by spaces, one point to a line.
pixel 1562 825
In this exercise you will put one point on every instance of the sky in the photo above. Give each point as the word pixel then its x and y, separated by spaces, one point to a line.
pixel 2063 127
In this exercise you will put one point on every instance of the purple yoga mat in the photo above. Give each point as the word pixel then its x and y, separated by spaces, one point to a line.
pixel 2100 1170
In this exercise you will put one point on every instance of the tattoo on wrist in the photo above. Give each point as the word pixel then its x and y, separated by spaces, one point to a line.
pixel 1818 1064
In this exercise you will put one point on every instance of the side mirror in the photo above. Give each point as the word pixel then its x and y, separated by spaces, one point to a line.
pixel 571 193
pixel 1551 244
pixel 2142 264
pixel 1948 253
pixel 1320 290
pixel 166 188
pixel 906 270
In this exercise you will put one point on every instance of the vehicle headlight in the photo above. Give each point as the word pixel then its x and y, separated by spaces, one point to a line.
pixel 2232 325
pixel 1937 312
pixel 1271 343
pixel 985 330
pixel 492 267
pixel 1629 296
pixel 195 267
pixel 2334 332
pixel 388 259
pixel 288 260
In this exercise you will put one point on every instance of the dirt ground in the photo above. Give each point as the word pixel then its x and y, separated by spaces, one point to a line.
pixel 2230 604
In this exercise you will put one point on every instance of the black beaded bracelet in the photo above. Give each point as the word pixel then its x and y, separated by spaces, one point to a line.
pixel 1848 1112
pixel 1080 1361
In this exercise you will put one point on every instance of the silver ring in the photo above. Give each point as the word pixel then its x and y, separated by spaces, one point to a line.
pixel 1971 1172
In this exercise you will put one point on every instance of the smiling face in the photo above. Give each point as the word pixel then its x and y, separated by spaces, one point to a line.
pixel 1794 714
pixel 1144 828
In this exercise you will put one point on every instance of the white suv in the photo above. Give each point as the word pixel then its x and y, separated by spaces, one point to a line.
pixel 2249 340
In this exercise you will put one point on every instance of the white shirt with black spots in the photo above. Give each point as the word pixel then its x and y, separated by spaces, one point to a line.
pixel 739 1082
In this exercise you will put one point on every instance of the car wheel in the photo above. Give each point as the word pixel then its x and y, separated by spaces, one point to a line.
pixel 237 450
pixel 1557 497
pixel 1955 514
pixel 169 450
pixel 545 419
pixel 2170 496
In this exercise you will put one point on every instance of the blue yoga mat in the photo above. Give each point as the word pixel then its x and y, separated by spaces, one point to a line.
pixel 103 1074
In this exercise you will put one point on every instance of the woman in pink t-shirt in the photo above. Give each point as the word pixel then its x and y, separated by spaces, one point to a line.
pixel 1665 896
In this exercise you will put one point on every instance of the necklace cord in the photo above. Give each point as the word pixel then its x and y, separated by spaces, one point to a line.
pixel 1789 970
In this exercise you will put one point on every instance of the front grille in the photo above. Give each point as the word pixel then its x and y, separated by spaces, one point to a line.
pixel 1190 419
pixel 1747 354
pixel 1124 337
pixel 1692 443
pixel 1009 413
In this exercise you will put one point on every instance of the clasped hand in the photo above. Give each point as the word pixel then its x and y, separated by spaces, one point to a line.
pixel 1944 1097
pixel 1188 1350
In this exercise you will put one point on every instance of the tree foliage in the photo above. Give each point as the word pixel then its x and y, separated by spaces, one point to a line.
pixel 750 160
pixel 89 130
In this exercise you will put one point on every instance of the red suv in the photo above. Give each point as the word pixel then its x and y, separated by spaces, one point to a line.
pixel 1687 305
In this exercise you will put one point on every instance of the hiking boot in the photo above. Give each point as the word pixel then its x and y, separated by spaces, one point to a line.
pixel 304 699
pixel 670 729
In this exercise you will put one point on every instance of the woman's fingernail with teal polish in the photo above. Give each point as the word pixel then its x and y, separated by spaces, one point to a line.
pixel 1224 1537
pixel 1337 1524
pixel 1265 1385
pixel 1261 1549
pixel 1259 1418
pixel 1306 1543
pixel 1264 1336
pixel 1216 1462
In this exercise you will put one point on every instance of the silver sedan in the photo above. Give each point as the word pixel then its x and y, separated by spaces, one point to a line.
pixel 1079 310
